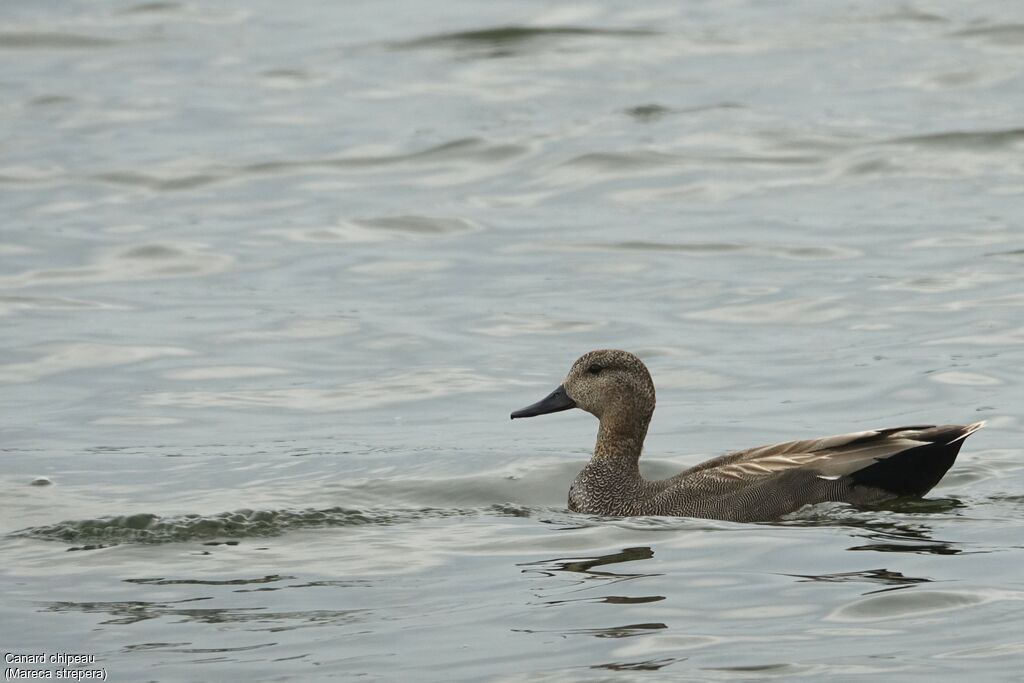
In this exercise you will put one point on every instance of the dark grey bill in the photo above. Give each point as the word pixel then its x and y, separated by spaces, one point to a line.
pixel 554 402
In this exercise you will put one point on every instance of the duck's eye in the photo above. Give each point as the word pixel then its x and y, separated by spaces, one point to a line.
pixel 595 369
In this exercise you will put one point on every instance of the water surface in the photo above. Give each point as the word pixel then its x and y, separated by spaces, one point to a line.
pixel 273 278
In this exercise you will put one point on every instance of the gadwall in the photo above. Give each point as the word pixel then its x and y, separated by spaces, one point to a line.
pixel 756 484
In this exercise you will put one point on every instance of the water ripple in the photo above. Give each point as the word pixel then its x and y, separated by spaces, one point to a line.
pixel 981 141
pixel 1005 35
pixel 27 40
pixel 59 358
pixel 808 252
pixel 801 311
pixel 147 261
pixel 505 41
pixel 394 389
pixel 11 304
pixel 473 150
pixel 907 605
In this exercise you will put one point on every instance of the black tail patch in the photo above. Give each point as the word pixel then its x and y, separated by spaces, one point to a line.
pixel 915 471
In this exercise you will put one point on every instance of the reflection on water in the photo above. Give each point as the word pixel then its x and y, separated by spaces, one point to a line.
pixel 648 665
pixel 121 613
pixel 895 580
pixel 626 631
pixel 897 526
pixel 915 546
pixel 208 582
pixel 585 565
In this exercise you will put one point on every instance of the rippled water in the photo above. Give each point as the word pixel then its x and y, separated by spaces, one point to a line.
pixel 274 276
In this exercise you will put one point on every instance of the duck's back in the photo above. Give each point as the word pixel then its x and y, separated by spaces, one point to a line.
pixel 770 481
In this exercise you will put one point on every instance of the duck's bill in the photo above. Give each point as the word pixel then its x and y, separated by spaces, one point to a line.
pixel 554 402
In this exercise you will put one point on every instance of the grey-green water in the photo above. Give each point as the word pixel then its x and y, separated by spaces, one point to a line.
pixel 272 278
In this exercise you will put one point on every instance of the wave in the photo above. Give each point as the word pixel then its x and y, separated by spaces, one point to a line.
pixel 244 523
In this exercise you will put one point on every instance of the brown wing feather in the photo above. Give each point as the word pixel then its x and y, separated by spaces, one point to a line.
pixel 829 457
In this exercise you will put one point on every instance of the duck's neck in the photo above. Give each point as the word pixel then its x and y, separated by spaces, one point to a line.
pixel 611 484
pixel 620 438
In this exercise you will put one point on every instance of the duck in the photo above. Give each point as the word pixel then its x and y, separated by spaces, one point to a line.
pixel 757 484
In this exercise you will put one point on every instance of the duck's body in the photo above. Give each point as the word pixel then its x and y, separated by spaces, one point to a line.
pixel 751 485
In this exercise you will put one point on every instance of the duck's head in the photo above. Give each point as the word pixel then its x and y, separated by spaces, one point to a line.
pixel 601 382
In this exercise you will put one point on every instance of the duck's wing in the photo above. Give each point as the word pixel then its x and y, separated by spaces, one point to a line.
pixel 902 460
